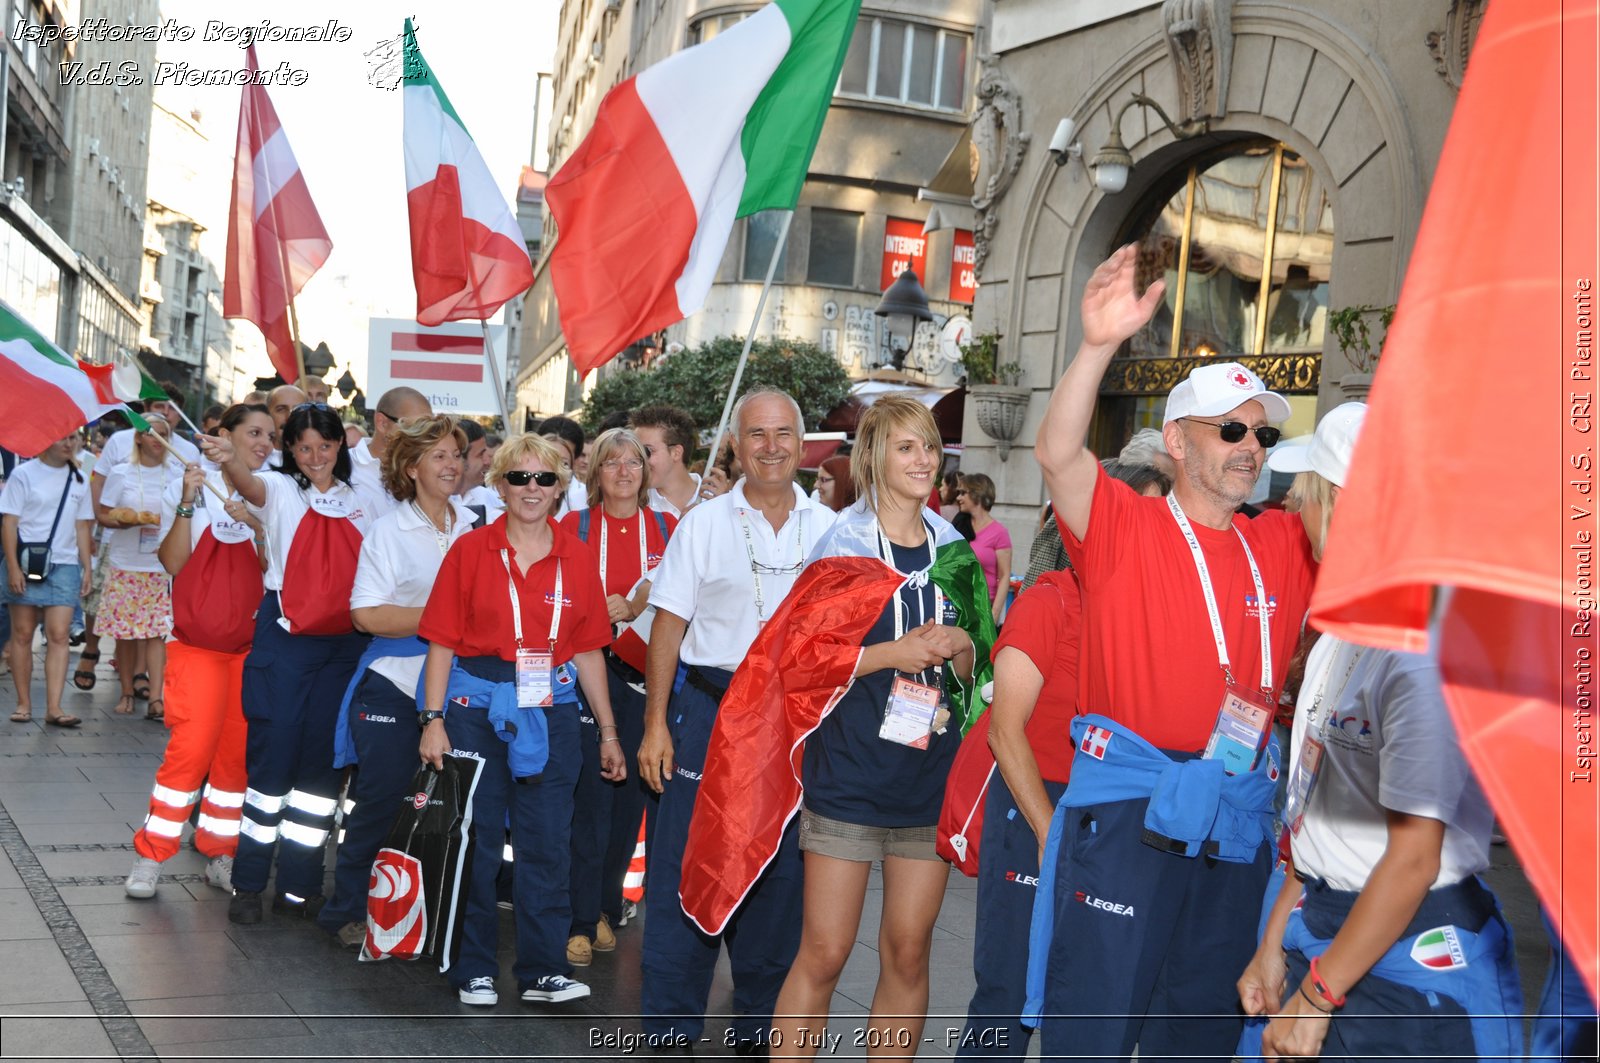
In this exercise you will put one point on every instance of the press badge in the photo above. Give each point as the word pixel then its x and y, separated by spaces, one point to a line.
pixel 533 679
pixel 149 539
pixel 1241 731
pixel 1306 770
pixel 909 715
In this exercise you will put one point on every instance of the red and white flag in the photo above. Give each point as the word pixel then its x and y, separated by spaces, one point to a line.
pixel 276 240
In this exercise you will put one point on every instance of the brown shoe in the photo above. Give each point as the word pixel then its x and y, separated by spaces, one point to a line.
pixel 605 939
pixel 580 953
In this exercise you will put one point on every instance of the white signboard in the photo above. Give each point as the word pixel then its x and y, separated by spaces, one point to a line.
pixel 445 363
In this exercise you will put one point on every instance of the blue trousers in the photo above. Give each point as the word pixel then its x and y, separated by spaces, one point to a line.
pixel 292 688
pixel 541 837
pixel 629 799
pixel 1008 872
pixel 763 935
pixel 383 726
pixel 1564 1028
pixel 1140 938
pixel 591 827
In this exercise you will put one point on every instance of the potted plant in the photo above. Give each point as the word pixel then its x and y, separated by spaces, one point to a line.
pixel 1352 331
pixel 998 398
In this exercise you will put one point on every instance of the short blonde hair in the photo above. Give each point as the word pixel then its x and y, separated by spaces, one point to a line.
pixel 409 443
pixel 520 448
pixel 885 417
pixel 613 441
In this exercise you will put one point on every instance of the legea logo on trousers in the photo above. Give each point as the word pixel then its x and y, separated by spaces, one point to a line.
pixel 1107 906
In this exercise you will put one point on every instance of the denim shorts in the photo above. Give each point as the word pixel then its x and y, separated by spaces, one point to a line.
pixel 60 587
pixel 864 844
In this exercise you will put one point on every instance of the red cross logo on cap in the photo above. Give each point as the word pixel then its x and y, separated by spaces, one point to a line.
pixel 1241 379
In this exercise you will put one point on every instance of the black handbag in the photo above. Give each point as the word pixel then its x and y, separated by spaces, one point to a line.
pixel 34 558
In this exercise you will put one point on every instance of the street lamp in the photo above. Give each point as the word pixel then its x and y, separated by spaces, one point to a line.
pixel 1113 162
pixel 903 307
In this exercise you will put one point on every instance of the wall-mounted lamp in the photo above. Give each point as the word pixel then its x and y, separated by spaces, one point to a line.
pixel 1112 163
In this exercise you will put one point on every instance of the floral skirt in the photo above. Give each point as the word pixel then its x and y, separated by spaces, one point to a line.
pixel 135 605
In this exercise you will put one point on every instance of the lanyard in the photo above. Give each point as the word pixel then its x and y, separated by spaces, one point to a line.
pixel 1211 597
pixel 916 581
pixel 516 602
pixel 755 568
pixel 1314 719
pixel 644 556
pixel 440 538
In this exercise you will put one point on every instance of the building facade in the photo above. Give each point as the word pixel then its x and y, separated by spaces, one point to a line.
pixel 1280 193
pixel 901 107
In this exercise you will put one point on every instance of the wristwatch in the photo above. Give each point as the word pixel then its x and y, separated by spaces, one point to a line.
pixel 427 716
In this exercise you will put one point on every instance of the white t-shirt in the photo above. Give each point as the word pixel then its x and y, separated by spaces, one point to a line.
pixel 707 577
pixel 208 512
pixel 400 559
pixel 32 494
pixel 487 497
pixel 139 488
pixel 366 476
pixel 664 504
pixel 119 448
pixel 286 503
pixel 1390 745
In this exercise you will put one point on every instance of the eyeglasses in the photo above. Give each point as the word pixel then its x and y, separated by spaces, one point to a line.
pixel 824 480
pixel 1234 431
pixel 522 477
pixel 777 570
pixel 613 464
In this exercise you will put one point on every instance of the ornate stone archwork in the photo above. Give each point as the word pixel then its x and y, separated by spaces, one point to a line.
pixel 998 145
pixel 1199 37
pixel 1451 45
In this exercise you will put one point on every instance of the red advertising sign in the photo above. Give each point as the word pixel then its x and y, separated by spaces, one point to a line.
pixel 963 269
pixel 903 244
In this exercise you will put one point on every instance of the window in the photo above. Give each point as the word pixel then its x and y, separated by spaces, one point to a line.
pixel 905 62
pixel 832 259
pixel 706 29
pixel 760 240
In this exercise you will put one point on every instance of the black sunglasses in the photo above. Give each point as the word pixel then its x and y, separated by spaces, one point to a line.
pixel 311 406
pixel 522 477
pixel 1233 432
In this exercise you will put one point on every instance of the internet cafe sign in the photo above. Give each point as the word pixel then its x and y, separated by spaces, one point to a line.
pixel 903 245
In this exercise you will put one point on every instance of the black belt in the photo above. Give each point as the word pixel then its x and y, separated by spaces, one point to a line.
pixel 703 683
pixel 624 671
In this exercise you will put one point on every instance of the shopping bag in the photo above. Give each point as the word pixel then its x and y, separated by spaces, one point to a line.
pixel 417 887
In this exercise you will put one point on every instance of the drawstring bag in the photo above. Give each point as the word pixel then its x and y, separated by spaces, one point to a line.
pixel 215 593
pixel 965 791
pixel 319 574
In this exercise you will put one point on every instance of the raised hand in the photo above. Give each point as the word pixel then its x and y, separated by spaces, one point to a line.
pixel 1112 309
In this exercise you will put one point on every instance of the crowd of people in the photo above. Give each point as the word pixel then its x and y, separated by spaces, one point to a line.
pixel 1188 847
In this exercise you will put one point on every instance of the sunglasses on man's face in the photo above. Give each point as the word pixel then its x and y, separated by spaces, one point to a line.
pixel 1233 432
pixel 522 478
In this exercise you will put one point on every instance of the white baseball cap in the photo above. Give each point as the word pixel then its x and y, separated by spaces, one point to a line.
pixel 1329 449
pixel 1211 390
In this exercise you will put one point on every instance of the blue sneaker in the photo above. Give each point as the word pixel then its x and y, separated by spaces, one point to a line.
pixel 553 989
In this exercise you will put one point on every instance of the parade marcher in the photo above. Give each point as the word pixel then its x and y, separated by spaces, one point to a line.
pixel 668 435
pixel 400 555
pixel 731 562
pixel 119 447
pixel 835 488
pixel 628 540
pixel 867 674
pixel 282 401
pixel 45 514
pixel 1191 614
pixel 314 387
pixel 136 602
pixel 990 539
pixel 1383 941
pixel 210 548
pixel 515 625
pixel 567 434
pixel 394 407
pixel 302 658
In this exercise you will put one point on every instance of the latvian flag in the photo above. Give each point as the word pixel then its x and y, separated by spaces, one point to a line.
pixel 424 356
pixel 1094 742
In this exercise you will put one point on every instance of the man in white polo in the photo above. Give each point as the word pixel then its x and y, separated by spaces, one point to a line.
pixel 366 460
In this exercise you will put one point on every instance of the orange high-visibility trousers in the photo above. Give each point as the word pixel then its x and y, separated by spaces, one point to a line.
pixel 206 745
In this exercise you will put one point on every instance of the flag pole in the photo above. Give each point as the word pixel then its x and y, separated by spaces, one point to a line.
pixel 749 338
pixel 488 353
pixel 283 253
pixel 183 462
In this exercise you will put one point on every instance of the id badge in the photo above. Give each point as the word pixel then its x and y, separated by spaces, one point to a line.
pixel 149 538
pixel 1241 731
pixel 533 679
pixel 1305 779
pixel 908 716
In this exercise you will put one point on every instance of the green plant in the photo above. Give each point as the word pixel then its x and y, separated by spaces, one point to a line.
pixel 1353 334
pixel 980 359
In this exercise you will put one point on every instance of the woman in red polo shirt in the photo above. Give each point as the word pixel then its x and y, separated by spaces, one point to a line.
pixel 517 621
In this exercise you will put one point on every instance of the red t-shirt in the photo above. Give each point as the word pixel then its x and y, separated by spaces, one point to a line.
pixel 1045 623
pixel 1148 658
pixel 622 543
pixel 470 607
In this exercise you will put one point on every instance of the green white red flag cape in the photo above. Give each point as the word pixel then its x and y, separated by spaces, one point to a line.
pixel 797 669
pixel 44 394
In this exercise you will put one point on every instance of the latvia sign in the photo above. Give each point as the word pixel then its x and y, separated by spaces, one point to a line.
pixel 444 362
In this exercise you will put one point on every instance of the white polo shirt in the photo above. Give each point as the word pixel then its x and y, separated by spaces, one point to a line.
pixel 208 512
pixel 139 488
pixel 286 503
pixel 400 559
pixel 663 503
pixel 366 476
pixel 32 495
pixel 119 448
pixel 722 558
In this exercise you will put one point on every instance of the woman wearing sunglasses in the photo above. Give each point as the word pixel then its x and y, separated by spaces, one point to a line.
pixel 626 539
pixel 515 624
pixel 302 657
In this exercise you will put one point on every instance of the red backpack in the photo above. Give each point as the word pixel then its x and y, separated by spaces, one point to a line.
pixel 319 574
pixel 216 593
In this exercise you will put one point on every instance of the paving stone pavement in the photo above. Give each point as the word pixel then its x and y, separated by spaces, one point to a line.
pixel 88 973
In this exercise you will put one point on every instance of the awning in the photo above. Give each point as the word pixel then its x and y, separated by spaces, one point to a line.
pixel 818 447
pixel 947 404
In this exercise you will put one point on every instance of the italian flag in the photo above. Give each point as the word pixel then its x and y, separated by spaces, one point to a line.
pixel 467 253
pixel 797 669
pixel 645 204
pixel 44 395
pixel 1439 949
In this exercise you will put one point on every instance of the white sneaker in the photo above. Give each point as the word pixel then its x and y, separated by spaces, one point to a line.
pixel 479 992
pixel 553 989
pixel 219 873
pixel 142 879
